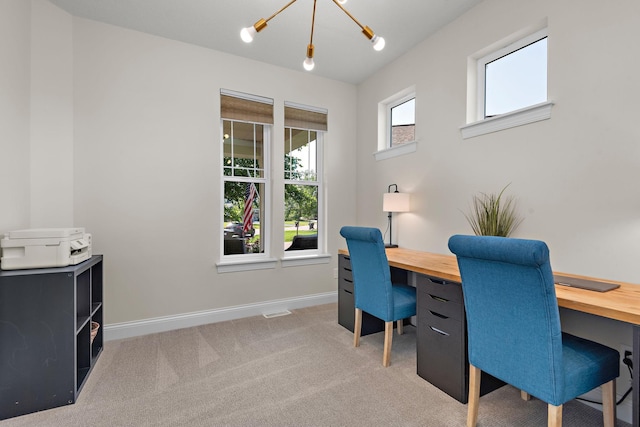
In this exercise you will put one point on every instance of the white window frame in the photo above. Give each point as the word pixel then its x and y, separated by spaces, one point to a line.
pixel 477 123
pixel 385 150
pixel 251 261
pixel 319 255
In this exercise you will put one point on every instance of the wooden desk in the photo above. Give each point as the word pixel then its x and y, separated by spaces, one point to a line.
pixel 621 304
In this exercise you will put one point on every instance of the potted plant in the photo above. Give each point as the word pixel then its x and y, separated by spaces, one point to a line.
pixel 491 215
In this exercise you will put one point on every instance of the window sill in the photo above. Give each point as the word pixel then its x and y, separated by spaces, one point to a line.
pixel 246 265
pixel 534 113
pixel 297 260
pixel 400 150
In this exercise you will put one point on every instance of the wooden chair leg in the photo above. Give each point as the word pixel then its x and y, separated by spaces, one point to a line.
pixel 388 337
pixel 524 395
pixel 400 326
pixel 609 403
pixel 554 418
pixel 474 396
pixel 357 328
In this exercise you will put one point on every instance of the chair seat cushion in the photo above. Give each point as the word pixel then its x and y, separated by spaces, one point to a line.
pixel 404 302
pixel 587 365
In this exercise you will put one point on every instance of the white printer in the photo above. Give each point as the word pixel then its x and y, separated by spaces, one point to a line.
pixel 44 247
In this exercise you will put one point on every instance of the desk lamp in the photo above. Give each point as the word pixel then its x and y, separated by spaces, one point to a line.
pixel 394 202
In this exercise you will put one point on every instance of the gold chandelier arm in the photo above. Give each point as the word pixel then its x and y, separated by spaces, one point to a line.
pixel 350 15
pixel 283 8
pixel 313 22
pixel 378 42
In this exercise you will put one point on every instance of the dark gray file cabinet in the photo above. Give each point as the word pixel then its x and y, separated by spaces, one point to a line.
pixel 346 302
pixel 46 353
pixel 442 338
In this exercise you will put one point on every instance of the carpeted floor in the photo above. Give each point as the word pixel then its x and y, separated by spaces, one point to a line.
pixel 296 370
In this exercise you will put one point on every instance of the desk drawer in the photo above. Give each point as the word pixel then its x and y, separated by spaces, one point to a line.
pixel 344 267
pixel 443 308
pixel 444 289
pixel 344 283
pixel 432 302
pixel 441 357
pixel 344 261
pixel 346 303
pixel 436 322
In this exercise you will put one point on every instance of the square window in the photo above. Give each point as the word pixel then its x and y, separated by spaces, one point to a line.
pixel 513 77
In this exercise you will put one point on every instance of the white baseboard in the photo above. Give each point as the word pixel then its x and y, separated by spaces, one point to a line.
pixel 136 328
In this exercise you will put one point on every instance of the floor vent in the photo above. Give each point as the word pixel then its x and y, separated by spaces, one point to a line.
pixel 276 314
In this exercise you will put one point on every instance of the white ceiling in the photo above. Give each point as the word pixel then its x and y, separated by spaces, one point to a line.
pixel 342 52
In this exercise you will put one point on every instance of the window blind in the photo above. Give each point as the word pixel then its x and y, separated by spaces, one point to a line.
pixel 246 108
pixel 303 117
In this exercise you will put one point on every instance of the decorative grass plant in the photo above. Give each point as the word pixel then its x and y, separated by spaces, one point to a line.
pixel 492 215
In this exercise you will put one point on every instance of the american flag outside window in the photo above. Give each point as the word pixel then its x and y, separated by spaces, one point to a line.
pixel 249 197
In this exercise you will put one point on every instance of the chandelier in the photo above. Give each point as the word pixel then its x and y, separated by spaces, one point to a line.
pixel 247 34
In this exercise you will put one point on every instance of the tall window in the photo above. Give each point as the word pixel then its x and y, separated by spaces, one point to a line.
pixel 246 127
pixel 304 222
pixel 513 77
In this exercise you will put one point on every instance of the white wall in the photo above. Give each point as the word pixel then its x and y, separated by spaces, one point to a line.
pixel 15 16
pixel 51 117
pixel 575 176
pixel 36 111
pixel 147 165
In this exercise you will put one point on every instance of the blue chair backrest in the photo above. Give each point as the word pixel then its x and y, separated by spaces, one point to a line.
pixel 512 311
pixel 371 273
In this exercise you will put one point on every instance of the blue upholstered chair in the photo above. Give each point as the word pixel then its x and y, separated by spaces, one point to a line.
pixel 514 328
pixel 373 291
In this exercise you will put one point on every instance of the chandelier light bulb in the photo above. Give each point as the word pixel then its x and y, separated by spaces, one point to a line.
pixel 247 34
pixel 378 43
pixel 342 1
pixel 308 64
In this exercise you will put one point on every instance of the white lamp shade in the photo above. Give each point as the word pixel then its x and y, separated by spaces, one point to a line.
pixel 395 202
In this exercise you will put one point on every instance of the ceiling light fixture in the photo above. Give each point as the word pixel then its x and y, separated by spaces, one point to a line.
pixel 308 63
pixel 247 34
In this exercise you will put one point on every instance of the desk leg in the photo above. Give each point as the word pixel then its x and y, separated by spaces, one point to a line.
pixel 635 409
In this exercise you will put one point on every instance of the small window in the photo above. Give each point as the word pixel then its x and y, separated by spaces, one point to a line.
pixel 402 117
pixel 397 125
pixel 513 77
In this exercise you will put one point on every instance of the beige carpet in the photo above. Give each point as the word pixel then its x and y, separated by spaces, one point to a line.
pixel 295 370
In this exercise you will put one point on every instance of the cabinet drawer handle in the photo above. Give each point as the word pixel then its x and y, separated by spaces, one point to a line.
pixel 347 280
pixel 439 331
pixel 442 316
pixel 347 291
pixel 438 298
pixel 438 282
